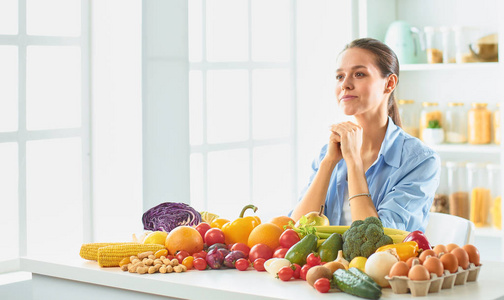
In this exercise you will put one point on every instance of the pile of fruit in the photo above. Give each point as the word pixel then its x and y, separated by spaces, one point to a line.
pixel 360 259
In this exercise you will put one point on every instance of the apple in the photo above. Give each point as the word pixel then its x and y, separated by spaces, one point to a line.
pixel 316 218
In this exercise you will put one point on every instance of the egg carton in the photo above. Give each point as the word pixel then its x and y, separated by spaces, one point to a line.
pixel 403 285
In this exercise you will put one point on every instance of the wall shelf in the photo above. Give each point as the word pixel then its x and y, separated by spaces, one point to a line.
pixel 450 67
pixel 467 148
pixel 488 232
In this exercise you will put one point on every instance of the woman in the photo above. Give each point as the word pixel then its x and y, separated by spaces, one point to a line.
pixel 372 168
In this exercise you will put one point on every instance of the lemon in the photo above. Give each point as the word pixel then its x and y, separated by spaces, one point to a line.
pixel 156 237
pixel 358 262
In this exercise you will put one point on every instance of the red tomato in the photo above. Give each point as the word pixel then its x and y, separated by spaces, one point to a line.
pixel 180 255
pixel 313 260
pixel 170 257
pixel 297 271
pixel 200 264
pixel 259 264
pixel 322 285
pixel 285 273
pixel 241 247
pixel 280 252
pixel 201 254
pixel 260 250
pixel 214 236
pixel 242 264
pixel 288 238
pixel 202 229
pixel 304 270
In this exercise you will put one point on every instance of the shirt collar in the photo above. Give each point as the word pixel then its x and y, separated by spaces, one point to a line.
pixel 392 145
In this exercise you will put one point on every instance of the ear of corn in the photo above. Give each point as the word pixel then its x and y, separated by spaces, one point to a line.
pixel 90 251
pixel 111 256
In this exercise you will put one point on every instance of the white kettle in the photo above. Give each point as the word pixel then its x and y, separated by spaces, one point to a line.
pixel 407 43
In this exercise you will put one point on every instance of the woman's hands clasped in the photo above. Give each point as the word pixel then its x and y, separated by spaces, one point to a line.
pixel 345 142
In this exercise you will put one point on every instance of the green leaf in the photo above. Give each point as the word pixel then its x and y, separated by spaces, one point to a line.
pixel 433 124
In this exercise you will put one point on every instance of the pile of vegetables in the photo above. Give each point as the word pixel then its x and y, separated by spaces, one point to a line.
pixel 169 215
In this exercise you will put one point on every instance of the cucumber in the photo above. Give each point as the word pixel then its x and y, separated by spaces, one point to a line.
pixel 362 275
pixel 328 250
pixel 351 284
pixel 298 252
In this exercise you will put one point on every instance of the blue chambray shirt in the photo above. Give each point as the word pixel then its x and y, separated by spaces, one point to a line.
pixel 402 181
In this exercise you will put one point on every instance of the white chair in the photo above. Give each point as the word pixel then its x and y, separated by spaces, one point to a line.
pixel 445 229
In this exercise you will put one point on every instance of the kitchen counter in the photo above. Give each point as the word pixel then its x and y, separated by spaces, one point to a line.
pixel 74 278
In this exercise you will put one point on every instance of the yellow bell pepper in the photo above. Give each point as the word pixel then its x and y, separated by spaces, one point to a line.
pixel 239 230
pixel 218 223
pixel 404 250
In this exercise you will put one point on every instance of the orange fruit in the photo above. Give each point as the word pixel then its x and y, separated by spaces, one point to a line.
pixel 184 238
pixel 282 221
pixel 218 223
pixel 265 233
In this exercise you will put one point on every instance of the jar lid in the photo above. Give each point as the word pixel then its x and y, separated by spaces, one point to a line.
pixel 455 104
pixel 493 167
pixel 429 104
pixel 475 165
pixel 403 101
pixel 479 105
pixel 455 164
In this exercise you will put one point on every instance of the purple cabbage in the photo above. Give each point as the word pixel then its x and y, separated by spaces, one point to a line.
pixel 168 215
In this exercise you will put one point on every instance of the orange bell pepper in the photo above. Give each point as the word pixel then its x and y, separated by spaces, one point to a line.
pixel 239 230
pixel 404 250
pixel 218 223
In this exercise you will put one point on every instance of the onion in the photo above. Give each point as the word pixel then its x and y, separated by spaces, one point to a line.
pixel 378 265
pixel 168 215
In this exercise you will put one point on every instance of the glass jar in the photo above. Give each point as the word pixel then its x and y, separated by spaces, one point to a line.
pixel 479 124
pixel 440 203
pixel 456 123
pixel 458 196
pixel 409 116
pixel 480 194
pixel 430 112
pixel 434 45
pixel 494 175
pixel 496 125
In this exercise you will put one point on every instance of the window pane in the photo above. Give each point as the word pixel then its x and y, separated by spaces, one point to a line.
pixel 9 88
pixel 271 35
pixel 197 182
pixel 227 106
pixel 195 108
pixel 228 182
pixel 271 103
pixel 54 196
pixel 227 30
pixel 53 17
pixel 195 27
pixel 53 87
pixel 272 169
pixel 8 17
pixel 9 220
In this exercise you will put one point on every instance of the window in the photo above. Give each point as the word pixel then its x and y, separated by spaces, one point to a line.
pixel 44 126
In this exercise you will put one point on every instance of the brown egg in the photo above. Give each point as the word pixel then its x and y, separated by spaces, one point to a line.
pixel 440 249
pixel 450 262
pixel 434 265
pixel 426 253
pixel 410 261
pixel 400 268
pixel 462 257
pixel 474 255
pixel 418 272
pixel 451 246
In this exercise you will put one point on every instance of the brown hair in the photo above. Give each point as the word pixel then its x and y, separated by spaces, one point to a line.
pixel 387 62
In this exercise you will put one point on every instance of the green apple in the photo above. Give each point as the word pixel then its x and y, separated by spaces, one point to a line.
pixel 316 218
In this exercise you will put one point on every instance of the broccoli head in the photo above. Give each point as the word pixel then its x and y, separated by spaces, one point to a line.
pixel 364 237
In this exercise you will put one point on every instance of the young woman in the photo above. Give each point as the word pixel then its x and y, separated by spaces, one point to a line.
pixel 371 168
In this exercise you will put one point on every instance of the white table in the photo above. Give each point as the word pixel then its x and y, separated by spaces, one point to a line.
pixel 74 278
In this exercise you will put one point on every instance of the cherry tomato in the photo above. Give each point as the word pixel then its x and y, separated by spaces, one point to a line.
pixel 202 229
pixel 313 260
pixel 214 236
pixel 180 255
pixel 297 271
pixel 304 270
pixel 322 285
pixel 280 252
pixel 288 238
pixel 241 247
pixel 259 264
pixel 242 264
pixel 200 264
pixel 285 273
pixel 188 262
pixel 260 250
pixel 201 254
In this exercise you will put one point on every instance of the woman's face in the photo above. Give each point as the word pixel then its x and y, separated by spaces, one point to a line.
pixel 360 87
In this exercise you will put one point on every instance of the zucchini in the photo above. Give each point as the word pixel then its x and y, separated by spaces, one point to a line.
pixel 352 284
pixel 362 275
